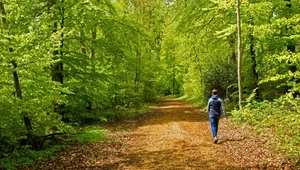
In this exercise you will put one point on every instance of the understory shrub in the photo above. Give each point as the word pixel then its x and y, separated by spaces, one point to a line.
pixel 26 157
pixel 278 120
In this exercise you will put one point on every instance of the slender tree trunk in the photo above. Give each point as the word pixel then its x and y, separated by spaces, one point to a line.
pixel 239 52
pixel 83 47
pixel 18 89
pixel 93 64
pixel 137 78
pixel 3 12
pixel 138 65
pixel 58 53
pixel 173 71
pixel 254 66
pixel 199 67
pixel 291 47
pixel 57 68
pixel 173 76
pixel 137 69
pixel 92 54
pixel 231 60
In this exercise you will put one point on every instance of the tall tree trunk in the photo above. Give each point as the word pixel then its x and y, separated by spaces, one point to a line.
pixel 199 66
pixel 173 75
pixel 93 60
pixel 239 52
pixel 92 54
pixel 254 66
pixel 291 48
pixel 138 52
pixel 18 89
pixel 83 47
pixel 173 60
pixel 231 61
pixel 232 58
pixel 57 68
pixel 58 53
pixel 138 67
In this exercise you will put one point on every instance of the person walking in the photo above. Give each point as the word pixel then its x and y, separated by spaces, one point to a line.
pixel 215 108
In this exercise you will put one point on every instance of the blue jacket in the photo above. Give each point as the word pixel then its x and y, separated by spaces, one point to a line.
pixel 215 106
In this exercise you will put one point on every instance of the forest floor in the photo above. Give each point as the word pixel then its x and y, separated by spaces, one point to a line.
pixel 176 135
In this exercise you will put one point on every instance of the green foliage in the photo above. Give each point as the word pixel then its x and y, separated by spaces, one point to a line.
pixel 113 56
pixel 105 57
pixel 279 121
pixel 219 78
pixel 90 134
pixel 27 157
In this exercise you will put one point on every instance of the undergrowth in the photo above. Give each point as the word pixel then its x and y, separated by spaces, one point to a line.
pixel 26 157
pixel 278 121
pixel 84 134
pixel 89 134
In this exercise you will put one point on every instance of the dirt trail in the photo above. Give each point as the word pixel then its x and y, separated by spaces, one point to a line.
pixel 176 136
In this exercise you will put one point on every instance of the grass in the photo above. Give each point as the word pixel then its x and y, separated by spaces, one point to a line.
pixel 91 134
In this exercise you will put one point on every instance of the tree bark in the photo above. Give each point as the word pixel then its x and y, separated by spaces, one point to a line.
pixel 173 60
pixel 239 52
pixel 254 66
pixel 83 47
pixel 57 68
pixel 138 67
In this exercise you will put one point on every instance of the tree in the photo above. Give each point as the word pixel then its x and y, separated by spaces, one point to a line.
pixel 239 52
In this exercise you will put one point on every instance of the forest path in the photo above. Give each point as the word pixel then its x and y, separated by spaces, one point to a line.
pixel 176 136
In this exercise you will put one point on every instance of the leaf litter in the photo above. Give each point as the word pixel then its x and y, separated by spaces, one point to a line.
pixel 176 135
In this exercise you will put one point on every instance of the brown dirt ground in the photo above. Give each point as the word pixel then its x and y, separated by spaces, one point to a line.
pixel 176 136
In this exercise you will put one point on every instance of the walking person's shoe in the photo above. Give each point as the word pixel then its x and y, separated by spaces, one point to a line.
pixel 215 139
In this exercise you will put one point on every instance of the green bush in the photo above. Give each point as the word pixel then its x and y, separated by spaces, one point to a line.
pixel 280 118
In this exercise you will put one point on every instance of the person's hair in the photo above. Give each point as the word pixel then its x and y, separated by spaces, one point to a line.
pixel 214 91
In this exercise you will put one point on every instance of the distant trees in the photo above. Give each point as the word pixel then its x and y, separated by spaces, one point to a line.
pixel 269 33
